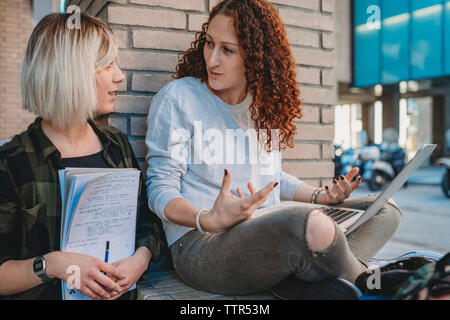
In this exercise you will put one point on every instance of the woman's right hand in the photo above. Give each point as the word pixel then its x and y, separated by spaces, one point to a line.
pixel 95 281
pixel 229 210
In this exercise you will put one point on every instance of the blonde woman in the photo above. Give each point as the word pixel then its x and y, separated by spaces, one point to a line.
pixel 68 77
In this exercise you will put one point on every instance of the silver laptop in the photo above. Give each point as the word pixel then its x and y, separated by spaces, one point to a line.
pixel 349 219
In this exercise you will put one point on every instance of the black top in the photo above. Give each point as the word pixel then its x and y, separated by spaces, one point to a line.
pixel 95 160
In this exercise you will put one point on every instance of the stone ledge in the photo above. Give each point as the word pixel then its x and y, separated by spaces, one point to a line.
pixel 168 285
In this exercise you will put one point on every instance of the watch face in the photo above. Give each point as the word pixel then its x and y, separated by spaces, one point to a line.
pixel 38 265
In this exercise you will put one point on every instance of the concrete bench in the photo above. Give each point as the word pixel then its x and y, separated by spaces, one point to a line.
pixel 163 283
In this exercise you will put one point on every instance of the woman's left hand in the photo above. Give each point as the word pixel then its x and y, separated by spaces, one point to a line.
pixel 133 268
pixel 341 189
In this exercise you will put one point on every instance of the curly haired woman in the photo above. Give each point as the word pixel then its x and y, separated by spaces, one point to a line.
pixel 231 110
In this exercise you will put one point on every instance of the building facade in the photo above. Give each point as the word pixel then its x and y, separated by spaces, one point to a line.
pixel 394 73
pixel 152 33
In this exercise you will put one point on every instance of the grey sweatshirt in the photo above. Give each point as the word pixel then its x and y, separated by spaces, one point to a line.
pixel 192 137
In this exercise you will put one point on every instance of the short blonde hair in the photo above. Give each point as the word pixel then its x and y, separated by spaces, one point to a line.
pixel 58 71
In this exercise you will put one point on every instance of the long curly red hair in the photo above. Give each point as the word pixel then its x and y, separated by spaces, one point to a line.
pixel 270 67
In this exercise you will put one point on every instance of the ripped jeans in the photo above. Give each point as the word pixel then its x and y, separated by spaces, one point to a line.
pixel 259 253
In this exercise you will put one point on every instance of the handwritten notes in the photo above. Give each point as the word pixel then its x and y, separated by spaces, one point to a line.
pixel 100 207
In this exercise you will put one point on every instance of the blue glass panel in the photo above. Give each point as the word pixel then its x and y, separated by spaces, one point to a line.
pixel 367 43
pixel 395 41
pixel 447 37
pixel 426 44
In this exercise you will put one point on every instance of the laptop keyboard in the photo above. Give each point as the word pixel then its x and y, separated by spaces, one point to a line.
pixel 339 215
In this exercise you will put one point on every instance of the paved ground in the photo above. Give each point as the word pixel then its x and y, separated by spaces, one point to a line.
pixel 429 175
pixel 426 216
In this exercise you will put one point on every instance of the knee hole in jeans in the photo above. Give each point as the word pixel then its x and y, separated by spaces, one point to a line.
pixel 320 231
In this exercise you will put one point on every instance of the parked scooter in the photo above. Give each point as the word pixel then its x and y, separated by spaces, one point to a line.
pixel 391 162
pixel 445 162
pixel 368 156
pixel 378 164
pixel 363 158
pixel 344 160
pixel 445 183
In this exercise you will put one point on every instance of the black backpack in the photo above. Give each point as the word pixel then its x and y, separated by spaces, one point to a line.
pixel 431 281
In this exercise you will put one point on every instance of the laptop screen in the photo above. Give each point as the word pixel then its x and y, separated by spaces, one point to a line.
pixel 424 152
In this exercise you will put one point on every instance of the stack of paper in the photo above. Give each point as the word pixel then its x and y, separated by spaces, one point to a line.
pixel 99 209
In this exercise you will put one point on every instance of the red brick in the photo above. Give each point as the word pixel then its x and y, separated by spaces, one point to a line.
pixel 122 37
pixel 15 28
pixel 314 57
pixel 328 40
pixel 310 114
pixel 328 6
pixel 168 40
pixel 138 126
pixel 308 75
pixel 315 132
pixel 302 152
pixel 306 4
pixel 195 21
pixel 309 170
pixel 328 115
pixel 327 151
pixel 308 20
pixel 118 123
pixel 132 104
pixel 190 5
pixel 149 82
pixel 147 17
pixel 143 60
pixel 213 3
pixel 302 37
pixel 318 95
pixel 328 77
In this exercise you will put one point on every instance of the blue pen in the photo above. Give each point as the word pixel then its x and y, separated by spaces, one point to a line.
pixel 107 252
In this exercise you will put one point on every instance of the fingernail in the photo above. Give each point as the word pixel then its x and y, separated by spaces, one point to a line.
pixel 341 177
pixel 334 181
pixel 225 171
pixel 326 187
pixel 359 177
pixel 276 183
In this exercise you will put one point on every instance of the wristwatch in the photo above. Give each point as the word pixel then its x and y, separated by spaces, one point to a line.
pixel 39 268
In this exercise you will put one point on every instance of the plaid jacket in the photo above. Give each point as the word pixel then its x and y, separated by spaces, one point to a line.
pixel 30 200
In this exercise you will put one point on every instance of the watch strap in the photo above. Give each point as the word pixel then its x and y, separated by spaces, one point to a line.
pixel 41 273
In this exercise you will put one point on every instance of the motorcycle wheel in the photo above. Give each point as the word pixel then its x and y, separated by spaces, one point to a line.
pixel 378 180
pixel 445 184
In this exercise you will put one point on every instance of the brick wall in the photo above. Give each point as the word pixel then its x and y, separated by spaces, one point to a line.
pixel 153 32
pixel 15 28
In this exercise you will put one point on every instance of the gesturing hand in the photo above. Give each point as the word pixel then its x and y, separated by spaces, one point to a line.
pixel 229 210
pixel 341 189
